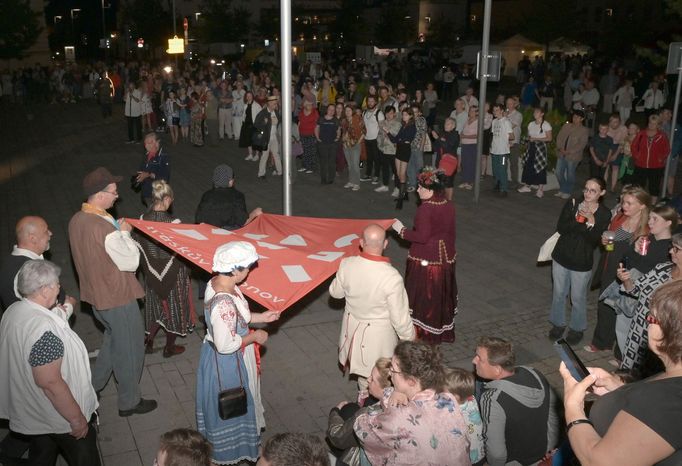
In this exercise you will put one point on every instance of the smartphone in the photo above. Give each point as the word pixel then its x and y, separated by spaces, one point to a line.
pixel 625 261
pixel 573 363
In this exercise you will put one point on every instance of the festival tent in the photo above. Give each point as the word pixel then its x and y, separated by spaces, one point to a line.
pixel 513 50
pixel 567 46
pixel 296 254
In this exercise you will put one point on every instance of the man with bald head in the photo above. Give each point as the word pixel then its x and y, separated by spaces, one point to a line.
pixel 377 313
pixel 33 239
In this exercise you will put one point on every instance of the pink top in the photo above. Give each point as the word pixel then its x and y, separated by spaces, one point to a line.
pixel 470 129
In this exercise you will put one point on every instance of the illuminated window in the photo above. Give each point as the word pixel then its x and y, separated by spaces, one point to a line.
pixel 473 18
pixel 608 11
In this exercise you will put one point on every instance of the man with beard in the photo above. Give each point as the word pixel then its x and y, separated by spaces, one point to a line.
pixel 372 116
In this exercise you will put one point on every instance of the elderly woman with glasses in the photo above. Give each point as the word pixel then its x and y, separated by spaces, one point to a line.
pixel 636 423
pixel 45 388
pixel 429 429
pixel 228 357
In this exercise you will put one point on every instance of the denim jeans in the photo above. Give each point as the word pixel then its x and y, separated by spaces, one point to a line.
pixel 353 160
pixel 576 283
pixel 565 174
pixel 500 163
pixel 415 164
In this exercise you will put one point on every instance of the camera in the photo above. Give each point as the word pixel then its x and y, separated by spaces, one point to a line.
pixel 134 184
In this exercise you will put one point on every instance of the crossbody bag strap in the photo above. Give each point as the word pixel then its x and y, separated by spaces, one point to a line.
pixel 215 356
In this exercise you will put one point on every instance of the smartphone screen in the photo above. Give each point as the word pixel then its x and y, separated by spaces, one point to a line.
pixel 573 363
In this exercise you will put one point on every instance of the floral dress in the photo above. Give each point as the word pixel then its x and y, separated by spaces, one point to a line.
pixel 429 430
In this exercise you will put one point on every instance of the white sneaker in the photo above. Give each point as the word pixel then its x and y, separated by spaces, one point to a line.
pixel 301 170
pixel 275 173
pixel 396 192
pixel 565 195
pixel 410 189
pixel 558 194
pixel 356 187
pixel 255 158
pixel 249 157
pixel 375 180
pixel 348 185
pixel 381 189
pixel 524 189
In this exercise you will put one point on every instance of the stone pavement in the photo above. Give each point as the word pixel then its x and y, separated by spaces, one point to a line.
pixel 502 292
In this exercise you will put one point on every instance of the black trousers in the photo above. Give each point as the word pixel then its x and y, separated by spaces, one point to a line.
pixel 134 129
pixel 605 331
pixel 384 168
pixel 372 157
pixel 44 449
pixel 650 179
pixel 327 158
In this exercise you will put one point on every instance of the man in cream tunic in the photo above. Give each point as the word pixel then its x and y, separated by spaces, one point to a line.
pixel 377 313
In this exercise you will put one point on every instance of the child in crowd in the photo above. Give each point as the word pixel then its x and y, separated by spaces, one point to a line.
pixel 601 152
pixel 460 383
pixel 185 447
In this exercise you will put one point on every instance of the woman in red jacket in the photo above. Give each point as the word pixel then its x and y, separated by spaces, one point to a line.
pixel 650 150
pixel 430 275
pixel 307 120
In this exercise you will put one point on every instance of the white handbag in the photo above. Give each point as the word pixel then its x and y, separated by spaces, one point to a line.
pixel 545 254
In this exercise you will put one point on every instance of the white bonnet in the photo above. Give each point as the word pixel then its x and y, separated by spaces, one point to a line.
pixel 234 254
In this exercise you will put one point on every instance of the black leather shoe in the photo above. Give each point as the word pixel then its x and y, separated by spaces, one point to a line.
pixel 573 337
pixel 144 406
pixel 556 332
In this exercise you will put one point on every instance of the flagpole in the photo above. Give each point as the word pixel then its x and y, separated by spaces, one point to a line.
pixel 285 42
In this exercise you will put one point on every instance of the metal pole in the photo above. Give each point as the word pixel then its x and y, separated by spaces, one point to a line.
pixel 285 42
pixel 673 125
pixel 104 34
pixel 485 46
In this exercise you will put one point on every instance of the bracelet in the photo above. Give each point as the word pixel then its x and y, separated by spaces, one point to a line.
pixel 576 422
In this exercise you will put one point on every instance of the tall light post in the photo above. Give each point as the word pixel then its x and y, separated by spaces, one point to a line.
pixel 285 32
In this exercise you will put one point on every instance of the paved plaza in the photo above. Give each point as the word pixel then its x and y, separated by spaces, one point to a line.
pixel 46 153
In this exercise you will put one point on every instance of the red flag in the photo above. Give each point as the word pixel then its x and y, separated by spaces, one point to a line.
pixel 296 253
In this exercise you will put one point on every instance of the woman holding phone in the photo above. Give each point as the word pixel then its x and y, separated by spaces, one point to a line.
pixel 626 425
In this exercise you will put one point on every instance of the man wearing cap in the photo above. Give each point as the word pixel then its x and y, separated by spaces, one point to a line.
pixel 224 206
pixel 267 125
pixel 106 259
pixel 377 310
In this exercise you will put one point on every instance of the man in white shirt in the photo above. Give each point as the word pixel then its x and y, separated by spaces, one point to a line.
pixel 133 113
pixel 377 309
pixel 590 100
pixel 469 99
pixel 372 116
pixel 516 119
pixel 503 134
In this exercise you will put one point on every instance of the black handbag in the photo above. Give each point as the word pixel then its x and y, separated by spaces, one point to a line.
pixel 231 402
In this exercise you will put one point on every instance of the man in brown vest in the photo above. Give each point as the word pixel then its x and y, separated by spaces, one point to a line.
pixel 106 258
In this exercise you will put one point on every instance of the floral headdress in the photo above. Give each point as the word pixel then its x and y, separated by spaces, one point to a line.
pixel 431 178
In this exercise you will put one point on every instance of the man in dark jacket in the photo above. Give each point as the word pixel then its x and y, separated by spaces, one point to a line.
pixel 156 166
pixel 520 422
pixel 267 136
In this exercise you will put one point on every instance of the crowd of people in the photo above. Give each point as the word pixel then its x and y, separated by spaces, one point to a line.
pixel 410 408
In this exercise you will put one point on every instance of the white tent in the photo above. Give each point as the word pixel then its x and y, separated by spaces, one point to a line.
pixel 567 46
pixel 513 50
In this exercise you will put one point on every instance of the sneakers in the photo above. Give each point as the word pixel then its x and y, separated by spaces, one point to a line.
pixel 381 189
pixel 410 189
pixel 591 348
pixel 539 194
pixel 573 337
pixel 308 172
pixel 144 406
pixel 375 180
pixel 556 332
pixel 365 178
pixel 396 192
pixel 565 195
pixel 301 170
pixel 524 189
pixel 255 158
pixel 249 158
pixel 276 173
pixel 356 187
pixel 558 194
pixel 348 185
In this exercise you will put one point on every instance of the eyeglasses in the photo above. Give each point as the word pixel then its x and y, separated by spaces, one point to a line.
pixel 591 191
pixel 113 193
pixel 675 249
pixel 651 318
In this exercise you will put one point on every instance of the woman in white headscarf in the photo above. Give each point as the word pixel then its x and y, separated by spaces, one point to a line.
pixel 228 357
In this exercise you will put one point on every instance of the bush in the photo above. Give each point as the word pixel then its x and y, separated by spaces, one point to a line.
pixel 554 118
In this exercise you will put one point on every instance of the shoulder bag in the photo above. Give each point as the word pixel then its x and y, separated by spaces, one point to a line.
pixel 231 402
pixel 546 250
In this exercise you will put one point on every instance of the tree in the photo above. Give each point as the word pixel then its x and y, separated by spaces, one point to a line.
pixel 350 23
pixel 546 20
pixel 442 32
pixel 148 20
pixel 220 22
pixel 19 28
pixel 395 26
